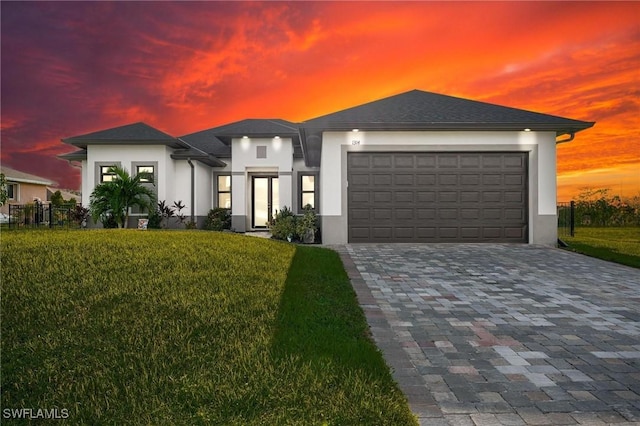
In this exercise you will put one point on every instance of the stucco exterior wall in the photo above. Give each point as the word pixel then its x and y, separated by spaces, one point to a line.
pixel 541 184
pixel 258 157
pixel 26 193
pixel 126 156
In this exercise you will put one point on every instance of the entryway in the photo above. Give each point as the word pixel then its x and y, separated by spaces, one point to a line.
pixel 265 200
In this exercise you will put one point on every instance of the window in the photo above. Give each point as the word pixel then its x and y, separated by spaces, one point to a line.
pixel 224 191
pixel 106 175
pixel 145 169
pixel 308 191
pixel 12 191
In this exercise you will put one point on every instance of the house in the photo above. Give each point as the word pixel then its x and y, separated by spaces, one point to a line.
pixel 414 167
pixel 23 188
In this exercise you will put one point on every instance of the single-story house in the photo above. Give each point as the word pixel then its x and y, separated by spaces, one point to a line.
pixel 414 167
pixel 23 188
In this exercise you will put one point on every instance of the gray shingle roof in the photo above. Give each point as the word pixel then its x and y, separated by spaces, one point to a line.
pixel 207 141
pixel 139 133
pixel 257 127
pixel 419 110
pixel 217 140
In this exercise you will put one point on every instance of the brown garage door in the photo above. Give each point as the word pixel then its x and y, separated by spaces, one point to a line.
pixel 437 197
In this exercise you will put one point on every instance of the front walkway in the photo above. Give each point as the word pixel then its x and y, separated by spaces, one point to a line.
pixel 498 334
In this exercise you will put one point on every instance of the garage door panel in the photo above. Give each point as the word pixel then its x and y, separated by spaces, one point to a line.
pixel 437 197
pixel 361 197
pixel 404 161
pixel 426 180
pixel 382 214
pixel 448 179
pixel 448 161
pixel 381 161
pixel 516 214
pixel 382 233
pixel 382 196
pixel 404 214
pixel 513 197
pixel 427 161
pixel 404 233
pixel 357 179
pixel 470 179
pixel 382 179
pixel 469 161
pixel 513 180
pixel 404 179
pixel 426 214
pixel 359 162
pixel 404 197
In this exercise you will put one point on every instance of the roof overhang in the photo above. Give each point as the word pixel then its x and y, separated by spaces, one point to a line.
pixel 207 159
pixel 78 155
pixel 84 143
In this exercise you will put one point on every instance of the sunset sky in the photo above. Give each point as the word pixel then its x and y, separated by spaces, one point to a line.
pixel 70 68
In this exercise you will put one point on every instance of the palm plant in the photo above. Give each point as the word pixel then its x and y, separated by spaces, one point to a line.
pixel 114 198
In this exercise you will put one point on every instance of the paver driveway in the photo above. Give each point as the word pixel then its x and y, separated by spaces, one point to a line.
pixel 504 334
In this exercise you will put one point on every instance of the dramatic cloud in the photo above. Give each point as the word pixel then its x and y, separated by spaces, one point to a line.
pixel 75 67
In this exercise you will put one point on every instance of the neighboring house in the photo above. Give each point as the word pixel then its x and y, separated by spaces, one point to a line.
pixel 414 167
pixel 23 188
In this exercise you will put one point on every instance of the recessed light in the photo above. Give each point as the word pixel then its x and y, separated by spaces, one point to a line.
pixel 355 130
pixel 527 130
pixel 245 137
pixel 277 137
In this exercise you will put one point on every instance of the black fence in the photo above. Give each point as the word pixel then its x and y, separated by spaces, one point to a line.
pixel 43 215
pixel 566 219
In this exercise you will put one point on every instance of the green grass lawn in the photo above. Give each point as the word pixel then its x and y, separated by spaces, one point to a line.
pixel 187 327
pixel 621 245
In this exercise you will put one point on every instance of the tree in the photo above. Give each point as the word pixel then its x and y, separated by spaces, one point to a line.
pixel 112 199
pixel 4 195
pixel 56 199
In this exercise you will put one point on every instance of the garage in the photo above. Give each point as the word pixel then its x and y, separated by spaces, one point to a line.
pixel 437 197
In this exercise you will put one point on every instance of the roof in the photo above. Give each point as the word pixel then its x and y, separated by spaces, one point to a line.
pixel 13 175
pixel 207 141
pixel 217 141
pixel 257 127
pixel 420 110
pixel 139 133
pixel 78 155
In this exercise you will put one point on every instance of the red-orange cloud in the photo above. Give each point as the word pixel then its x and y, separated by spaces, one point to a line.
pixel 183 67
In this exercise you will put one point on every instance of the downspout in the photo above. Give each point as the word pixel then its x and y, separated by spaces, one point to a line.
pixel 193 189
pixel 572 136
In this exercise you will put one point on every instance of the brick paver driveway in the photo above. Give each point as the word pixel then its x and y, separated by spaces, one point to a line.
pixel 504 334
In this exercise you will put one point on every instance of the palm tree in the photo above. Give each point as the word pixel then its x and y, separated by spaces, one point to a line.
pixel 115 197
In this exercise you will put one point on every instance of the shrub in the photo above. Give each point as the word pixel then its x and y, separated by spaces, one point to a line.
pixel 307 226
pixel 155 220
pixel 218 219
pixel 283 225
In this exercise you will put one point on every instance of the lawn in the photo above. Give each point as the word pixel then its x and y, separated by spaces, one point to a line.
pixel 187 327
pixel 621 245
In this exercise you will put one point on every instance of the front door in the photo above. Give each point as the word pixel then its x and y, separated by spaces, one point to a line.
pixel 265 199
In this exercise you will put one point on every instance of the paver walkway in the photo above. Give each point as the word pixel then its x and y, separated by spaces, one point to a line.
pixel 499 334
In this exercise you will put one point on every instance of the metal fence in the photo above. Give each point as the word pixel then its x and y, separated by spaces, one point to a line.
pixel 566 219
pixel 42 215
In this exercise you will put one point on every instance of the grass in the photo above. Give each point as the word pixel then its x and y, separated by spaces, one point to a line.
pixel 620 245
pixel 179 327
